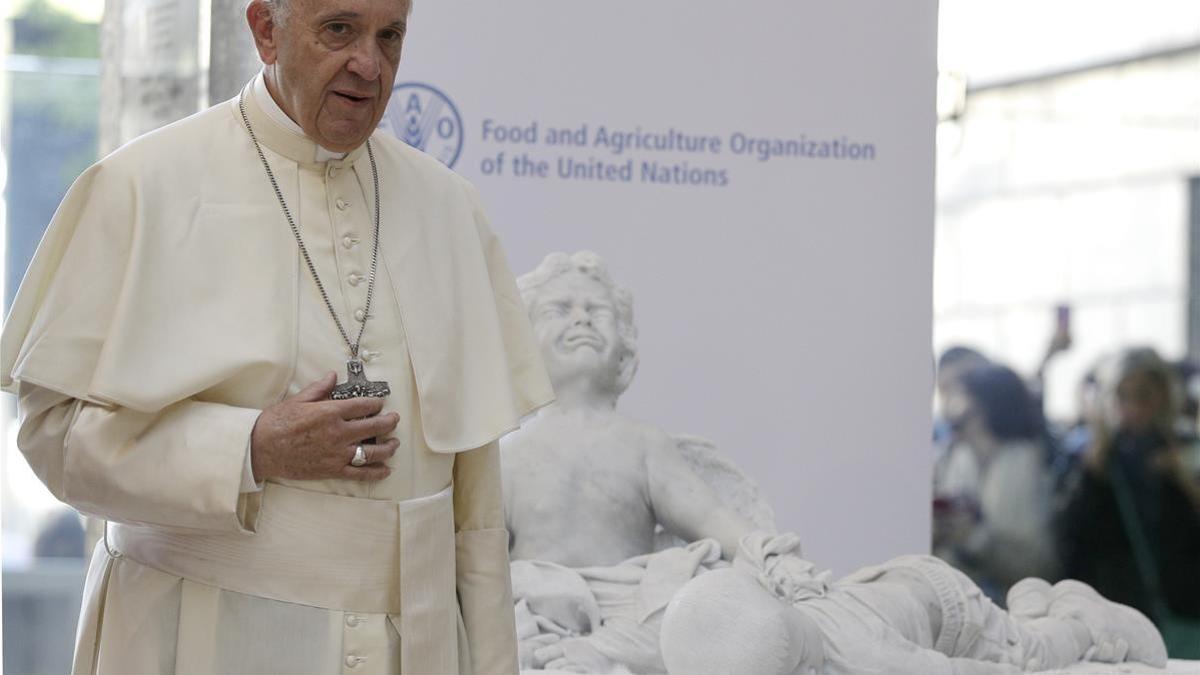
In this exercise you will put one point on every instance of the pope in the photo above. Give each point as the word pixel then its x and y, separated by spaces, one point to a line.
pixel 176 347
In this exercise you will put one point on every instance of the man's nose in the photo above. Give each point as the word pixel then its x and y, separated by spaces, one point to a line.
pixel 581 318
pixel 365 61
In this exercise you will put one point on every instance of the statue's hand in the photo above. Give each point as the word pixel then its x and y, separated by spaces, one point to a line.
pixel 775 560
pixel 527 649
pixel 556 594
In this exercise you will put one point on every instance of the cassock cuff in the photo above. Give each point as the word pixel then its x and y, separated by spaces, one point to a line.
pixel 248 482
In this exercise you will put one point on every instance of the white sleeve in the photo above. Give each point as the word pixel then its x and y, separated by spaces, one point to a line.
pixel 179 467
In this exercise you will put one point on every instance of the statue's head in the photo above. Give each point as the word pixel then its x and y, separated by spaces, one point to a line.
pixel 725 621
pixel 583 321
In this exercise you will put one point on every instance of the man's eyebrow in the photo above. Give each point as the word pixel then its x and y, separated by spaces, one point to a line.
pixel 344 15
pixel 350 15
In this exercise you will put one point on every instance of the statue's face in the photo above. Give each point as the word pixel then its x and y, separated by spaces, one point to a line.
pixel 575 320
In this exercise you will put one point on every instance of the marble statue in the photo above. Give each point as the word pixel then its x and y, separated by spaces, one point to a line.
pixel 592 494
pixel 636 552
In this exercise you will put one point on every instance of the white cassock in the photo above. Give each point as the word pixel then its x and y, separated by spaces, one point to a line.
pixel 168 305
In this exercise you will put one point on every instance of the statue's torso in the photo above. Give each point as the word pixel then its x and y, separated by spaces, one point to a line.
pixel 576 490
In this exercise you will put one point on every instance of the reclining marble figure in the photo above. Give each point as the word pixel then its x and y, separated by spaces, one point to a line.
pixel 913 615
pixel 586 488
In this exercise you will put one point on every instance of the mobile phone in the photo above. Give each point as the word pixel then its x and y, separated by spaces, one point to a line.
pixel 1062 329
pixel 1062 318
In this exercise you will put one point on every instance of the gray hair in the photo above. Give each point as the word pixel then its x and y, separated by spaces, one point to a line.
pixel 593 266
pixel 282 9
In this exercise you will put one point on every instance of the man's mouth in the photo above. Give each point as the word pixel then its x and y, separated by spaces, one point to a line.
pixel 352 97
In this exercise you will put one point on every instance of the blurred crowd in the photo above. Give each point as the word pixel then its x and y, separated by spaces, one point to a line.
pixel 1111 497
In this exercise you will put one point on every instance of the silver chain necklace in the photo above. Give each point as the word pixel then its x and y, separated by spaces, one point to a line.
pixel 356 383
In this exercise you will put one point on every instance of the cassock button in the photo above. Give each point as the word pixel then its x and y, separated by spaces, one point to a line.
pixel 349 241
pixel 354 279
pixel 370 355
pixel 360 315
pixel 342 204
pixel 352 620
pixel 353 660
pixel 333 172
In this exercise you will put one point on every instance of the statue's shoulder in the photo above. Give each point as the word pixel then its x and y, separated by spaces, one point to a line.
pixel 532 434
pixel 561 433
pixel 649 436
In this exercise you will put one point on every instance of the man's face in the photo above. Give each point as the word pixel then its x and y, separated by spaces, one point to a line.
pixel 333 64
pixel 575 321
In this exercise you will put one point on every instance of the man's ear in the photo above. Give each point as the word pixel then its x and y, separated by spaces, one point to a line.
pixel 262 26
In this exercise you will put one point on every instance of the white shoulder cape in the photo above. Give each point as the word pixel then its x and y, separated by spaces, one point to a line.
pixel 169 273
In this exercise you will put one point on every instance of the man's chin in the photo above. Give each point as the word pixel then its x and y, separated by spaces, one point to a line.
pixel 344 137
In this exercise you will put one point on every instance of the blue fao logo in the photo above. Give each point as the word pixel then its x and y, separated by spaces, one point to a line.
pixel 424 117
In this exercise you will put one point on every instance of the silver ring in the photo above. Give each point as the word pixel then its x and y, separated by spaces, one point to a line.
pixel 360 457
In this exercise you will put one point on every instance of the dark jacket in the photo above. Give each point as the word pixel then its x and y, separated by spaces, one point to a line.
pixel 1097 547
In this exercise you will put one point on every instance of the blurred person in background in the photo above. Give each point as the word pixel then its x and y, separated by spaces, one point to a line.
pixel 1187 379
pixel 1189 421
pixel 992 506
pixel 951 366
pixel 1133 491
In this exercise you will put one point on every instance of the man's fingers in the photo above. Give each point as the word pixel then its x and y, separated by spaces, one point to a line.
pixel 375 452
pixel 354 408
pixel 371 427
pixel 368 473
pixel 317 390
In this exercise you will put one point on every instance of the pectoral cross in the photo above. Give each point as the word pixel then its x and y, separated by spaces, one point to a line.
pixel 357 384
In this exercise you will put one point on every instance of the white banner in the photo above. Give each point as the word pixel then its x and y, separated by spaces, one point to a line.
pixel 760 175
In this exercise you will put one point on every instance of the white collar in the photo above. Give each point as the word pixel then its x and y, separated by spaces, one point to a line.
pixel 269 106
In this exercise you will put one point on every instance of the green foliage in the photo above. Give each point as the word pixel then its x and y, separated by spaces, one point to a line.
pixel 42 29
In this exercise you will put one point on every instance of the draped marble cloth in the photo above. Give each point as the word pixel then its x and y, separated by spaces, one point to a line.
pixel 619 607
pixel 167 305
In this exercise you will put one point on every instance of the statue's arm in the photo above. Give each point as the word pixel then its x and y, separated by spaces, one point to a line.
pixel 684 504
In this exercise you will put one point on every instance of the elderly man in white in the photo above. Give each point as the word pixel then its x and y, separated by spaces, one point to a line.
pixel 175 346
